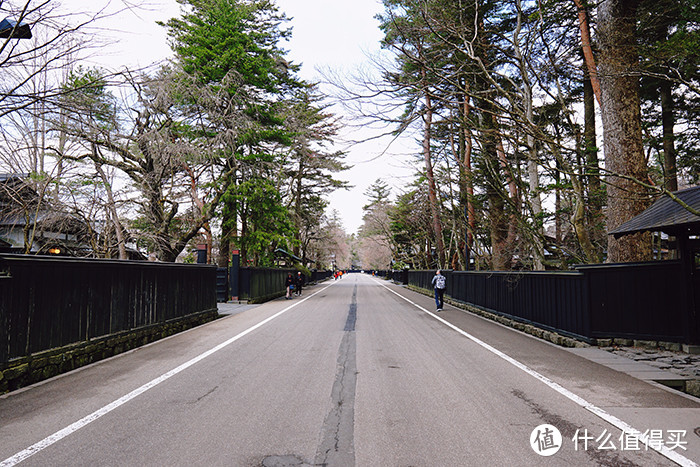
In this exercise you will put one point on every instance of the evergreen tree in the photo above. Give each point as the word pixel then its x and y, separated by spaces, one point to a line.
pixel 309 162
pixel 231 48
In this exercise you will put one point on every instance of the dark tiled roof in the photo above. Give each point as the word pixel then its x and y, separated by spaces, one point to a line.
pixel 666 215
pixel 287 254
pixel 5 177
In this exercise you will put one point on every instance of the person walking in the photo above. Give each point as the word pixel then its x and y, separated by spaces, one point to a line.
pixel 439 283
pixel 289 285
pixel 300 283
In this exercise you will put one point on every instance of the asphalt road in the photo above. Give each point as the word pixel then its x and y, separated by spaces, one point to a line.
pixel 355 372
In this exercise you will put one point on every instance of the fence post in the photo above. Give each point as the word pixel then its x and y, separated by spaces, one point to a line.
pixel 688 291
pixel 587 308
pixel 234 275
pixel 202 254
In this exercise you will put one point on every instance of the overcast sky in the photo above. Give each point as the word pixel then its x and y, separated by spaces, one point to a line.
pixel 337 35
pixel 343 36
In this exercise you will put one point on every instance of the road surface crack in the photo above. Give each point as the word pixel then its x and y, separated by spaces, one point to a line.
pixel 337 445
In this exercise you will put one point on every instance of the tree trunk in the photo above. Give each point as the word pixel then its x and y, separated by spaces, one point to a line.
pixel 513 195
pixel 299 182
pixel 532 162
pixel 498 220
pixel 595 194
pixel 624 156
pixel 471 212
pixel 578 214
pixel 112 210
pixel 229 213
pixel 587 49
pixel 200 206
pixel 670 173
pixel 432 189
pixel 459 212
pixel 468 188
pixel 558 223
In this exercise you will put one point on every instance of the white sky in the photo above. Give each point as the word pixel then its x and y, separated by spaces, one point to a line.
pixel 338 35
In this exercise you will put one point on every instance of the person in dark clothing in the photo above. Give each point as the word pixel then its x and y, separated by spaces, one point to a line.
pixel 299 283
pixel 440 284
pixel 289 285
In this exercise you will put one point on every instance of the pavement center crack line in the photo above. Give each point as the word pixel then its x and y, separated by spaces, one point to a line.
pixel 337 445
pixel 352 312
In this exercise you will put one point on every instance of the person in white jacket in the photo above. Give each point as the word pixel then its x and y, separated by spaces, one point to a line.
pixel 439 284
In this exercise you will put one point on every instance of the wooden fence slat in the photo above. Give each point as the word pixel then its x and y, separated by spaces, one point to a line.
pixel 638 301
pixel 49 302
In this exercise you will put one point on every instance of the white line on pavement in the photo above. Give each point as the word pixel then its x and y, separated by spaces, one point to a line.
pixel 59 435
pixel 613 420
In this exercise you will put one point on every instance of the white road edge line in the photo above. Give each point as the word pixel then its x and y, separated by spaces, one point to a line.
pixel 613 420
pixel 59 435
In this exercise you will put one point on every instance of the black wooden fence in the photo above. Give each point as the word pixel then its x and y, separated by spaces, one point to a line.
pixel 644 301
pixel 48 302
pixel 647 301
pixel 262 284
pixel 259 284
pixel 556 300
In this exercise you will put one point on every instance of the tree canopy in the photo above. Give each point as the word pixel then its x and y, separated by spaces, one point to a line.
pixel 538 125
pixel 513 172
pixel 223 145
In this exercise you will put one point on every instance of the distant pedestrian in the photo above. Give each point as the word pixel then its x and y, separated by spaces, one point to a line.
pixel 439 284
pixel 289 285
pixel 299 283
